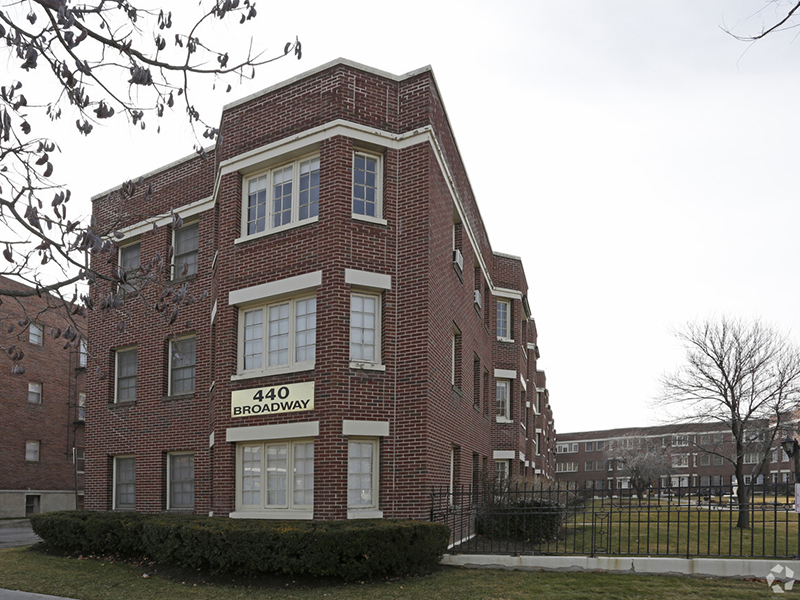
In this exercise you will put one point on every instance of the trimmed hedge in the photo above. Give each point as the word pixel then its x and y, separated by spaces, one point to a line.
pixel 532 519
pixel 350 550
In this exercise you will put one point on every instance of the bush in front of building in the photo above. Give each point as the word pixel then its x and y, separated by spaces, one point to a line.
pixel 528 519
pixel 345 549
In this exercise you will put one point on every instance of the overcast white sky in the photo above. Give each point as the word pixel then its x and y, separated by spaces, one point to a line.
pixel 641 161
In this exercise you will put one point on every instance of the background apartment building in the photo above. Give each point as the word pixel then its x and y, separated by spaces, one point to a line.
pixel 42 454
pixel 690 454
pixel 361 341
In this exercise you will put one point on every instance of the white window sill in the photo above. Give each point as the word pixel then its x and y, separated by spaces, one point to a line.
pixel 506 340
pixel 503 420
pixel 288 515
pixel 366 366
pixel 261 234
pixel 276 371
pixel 362 513
pixel 369 219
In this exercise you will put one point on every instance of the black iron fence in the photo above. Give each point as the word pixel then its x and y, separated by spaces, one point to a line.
pixel 671 521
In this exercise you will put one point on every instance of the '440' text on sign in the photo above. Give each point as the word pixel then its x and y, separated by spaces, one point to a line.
pixel 273 400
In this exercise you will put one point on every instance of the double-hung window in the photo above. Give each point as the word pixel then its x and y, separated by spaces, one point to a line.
pixel 362 474
pixel 35 334
pixel 503 319
pixel 130 258
pixel 367 185
pixel 286 195
pixel 32 451
pixel 181 480
pixel 278 336
pixel 186 245
pixel 365 328
pixel 503 399
pixel 182 365
pixel 126 375
pixel 276 476
pixel 124 482
pixel 34 392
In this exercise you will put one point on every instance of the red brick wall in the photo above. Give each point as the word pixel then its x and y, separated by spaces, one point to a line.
pixel 427 416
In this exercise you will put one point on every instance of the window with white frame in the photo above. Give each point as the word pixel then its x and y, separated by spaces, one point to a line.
pixel 34 392
pixel 718 460
pixel 126 375
pixel 705 460
pixel 182 365
pixel 283 196
pixel 81 407
pixel 365 328
pixel 275 476
pixel 130 258
pixel 362 474
pixel 278 336
pixel 502 469
pixel 185 245
pixel 83 354
pixel 680 440
pixel 589 446
pixel 367 185
pixel 752 458
pixel 503 319
pixel 567 467
pixel 680 460
pixel 80 459
pixel 32 451
pixel 35 334
pixel 181 480
pixel 124 482
pixel 503 399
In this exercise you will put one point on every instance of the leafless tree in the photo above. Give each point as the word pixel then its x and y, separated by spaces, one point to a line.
pixel 642 460
pixel 745 375
pixel 783 16
pixel 99 60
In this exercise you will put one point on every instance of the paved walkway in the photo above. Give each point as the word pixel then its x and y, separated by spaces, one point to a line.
pixel 14 533
pixel 17 532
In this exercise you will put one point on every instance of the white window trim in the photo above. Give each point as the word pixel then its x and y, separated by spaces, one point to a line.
pixel 38 389
pixel 377 363
pixel 75 458
pixel 114 482
pixel 292 366
pixel 175 276
pixel 505 417
pixel 117 352
pixel 38 447
pixel 169 483
pixel 83 353
pixel 294 222
pixel 378 218
pixel 368 512
pixel 507 337
pixel 286 513
pixel 169 363
pixel 39 331
pixel 81 405
pixel 124 287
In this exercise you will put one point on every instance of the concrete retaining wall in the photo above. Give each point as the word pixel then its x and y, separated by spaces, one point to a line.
pixel 713 567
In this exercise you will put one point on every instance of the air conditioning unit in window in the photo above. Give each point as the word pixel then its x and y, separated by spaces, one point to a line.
pixel 477 298
pixel 458 259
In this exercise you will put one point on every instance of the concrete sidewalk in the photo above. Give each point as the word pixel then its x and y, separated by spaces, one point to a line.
pixel 17 532
pixel 13 595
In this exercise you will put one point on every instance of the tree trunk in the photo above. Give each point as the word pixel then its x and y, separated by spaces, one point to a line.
pixel 743 497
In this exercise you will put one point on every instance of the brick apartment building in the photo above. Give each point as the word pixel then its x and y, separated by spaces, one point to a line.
pixel 42 455
pixel 360 341
pixel 692 455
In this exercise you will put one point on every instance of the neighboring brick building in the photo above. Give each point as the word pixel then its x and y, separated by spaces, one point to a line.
pixel 42 427
pixel 693 455
pixel 360 343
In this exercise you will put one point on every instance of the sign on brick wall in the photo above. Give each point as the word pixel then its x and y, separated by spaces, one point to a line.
pixel 273 400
